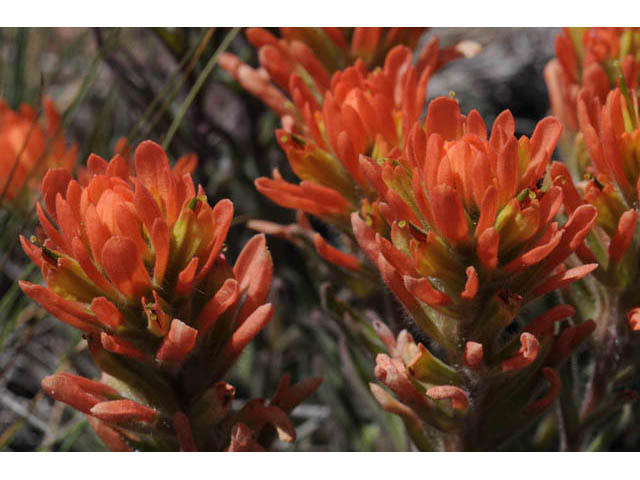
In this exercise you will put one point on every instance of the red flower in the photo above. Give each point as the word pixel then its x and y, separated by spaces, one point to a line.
pixel 136 263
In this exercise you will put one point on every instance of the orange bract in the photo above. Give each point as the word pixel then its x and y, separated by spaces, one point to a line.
pixel 136 262
pixel 467 209
pixel 360 113
pixel 28 150
pixel 594 59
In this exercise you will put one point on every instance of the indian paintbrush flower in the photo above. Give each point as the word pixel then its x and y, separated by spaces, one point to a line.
pixel 472 219
pixel 593 59
pixel 313 55
pixel 28 149
pixel 137 263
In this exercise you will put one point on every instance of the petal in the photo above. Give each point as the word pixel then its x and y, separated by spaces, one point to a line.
pixel 151 164
pixel 476 125
pixel 365 237
pixel 109 436
pixel 123 264
pixel 624 234
pixel 563 279
pixel 422 289
pixel 125 410
pixel 633 318
pixel 183 432
pixel 458 397
pixel 96 165
pixel 160 240
pixel 118 167
pixel 253 271
pixel 221 301
pixel 69 312
pixel 444 118
pixel 526 355
pixel 488 211
pixel 473 353
pixel 544 323
pixel 248 330
pixel 146 206
pixel 560 176
pixel 178 343
pixel 448 214
pixel 508 171
pixel 471 287
pixel 543 143
pixel 107 313
pixel 121 347
pixel 66 389
pixel 55 181
pixel 535 255
pixel 487 248
pixel 335 256
pixel 186 277
pixel 221 217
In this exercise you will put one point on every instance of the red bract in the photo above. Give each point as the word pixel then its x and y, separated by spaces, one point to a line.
pixel 137 263
pixel 28 150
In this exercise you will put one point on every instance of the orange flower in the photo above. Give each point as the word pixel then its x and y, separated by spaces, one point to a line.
pixel 313 55
pixel 472 219
pixel 594 59
pixel 362 113
pixel 137 264
pixel 28 150
pixel 328 121
pixel 611 134
pixel 333 48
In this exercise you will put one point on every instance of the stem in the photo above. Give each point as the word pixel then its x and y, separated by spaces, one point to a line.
pixel 607 354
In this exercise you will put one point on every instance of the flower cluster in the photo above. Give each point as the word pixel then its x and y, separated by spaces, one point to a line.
pixel 461 224
pixel 595 79
pixel 137 263
pixel 611 136
pixel 593 87
pixel 594 59
pixel 360 114
pixel 477 406
pixel 28 149
pixel 306 59
pixel 486 244
pixel 331 47
pixel 473 237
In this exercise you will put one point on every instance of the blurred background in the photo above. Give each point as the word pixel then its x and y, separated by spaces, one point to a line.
pixel 137 83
